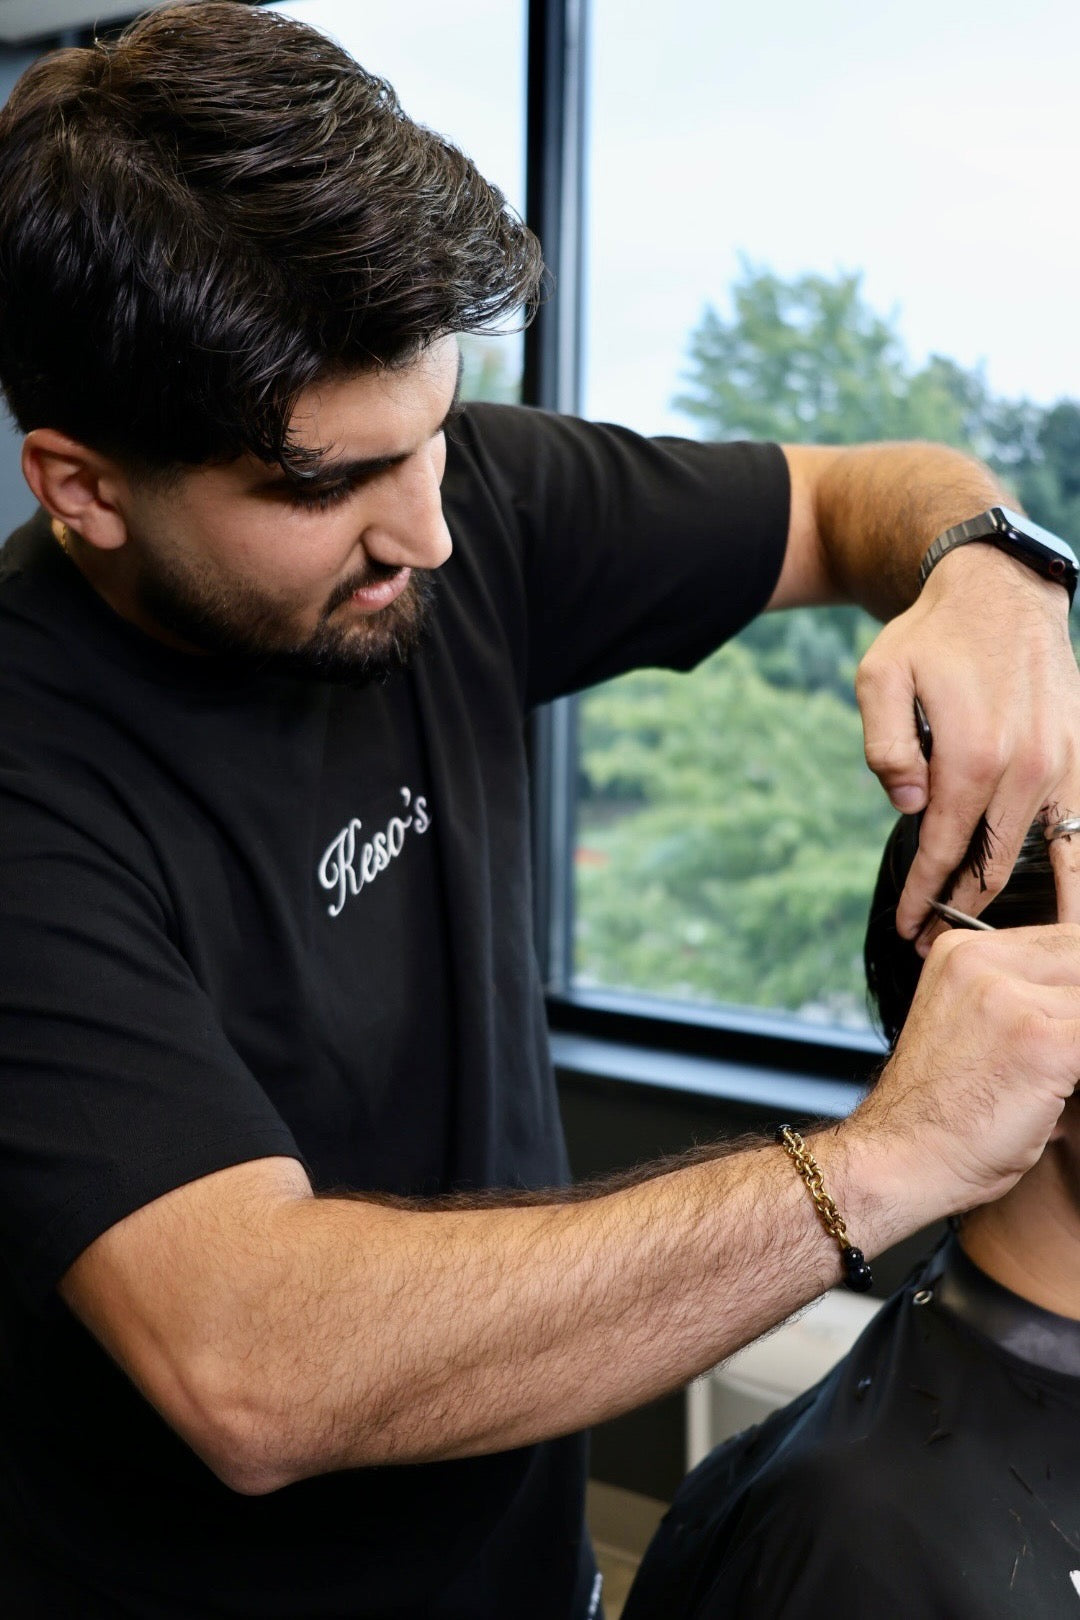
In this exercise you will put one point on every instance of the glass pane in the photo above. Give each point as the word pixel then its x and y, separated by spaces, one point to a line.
pixel 819 224
pixel 461 70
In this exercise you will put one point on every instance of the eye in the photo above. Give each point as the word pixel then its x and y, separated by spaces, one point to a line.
pixel 319 500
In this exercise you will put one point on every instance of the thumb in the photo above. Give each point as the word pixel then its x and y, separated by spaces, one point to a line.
pixel 887 702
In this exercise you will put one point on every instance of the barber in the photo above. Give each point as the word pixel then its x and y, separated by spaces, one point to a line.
pixel 231 1080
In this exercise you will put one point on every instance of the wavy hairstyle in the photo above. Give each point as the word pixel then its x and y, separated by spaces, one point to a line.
pixel 202 218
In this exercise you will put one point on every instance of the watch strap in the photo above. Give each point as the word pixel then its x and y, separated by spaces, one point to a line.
pixel 1049 565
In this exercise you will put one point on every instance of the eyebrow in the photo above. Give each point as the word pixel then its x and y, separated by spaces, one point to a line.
pixel 330 473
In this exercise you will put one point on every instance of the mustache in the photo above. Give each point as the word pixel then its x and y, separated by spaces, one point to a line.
pixel 376 573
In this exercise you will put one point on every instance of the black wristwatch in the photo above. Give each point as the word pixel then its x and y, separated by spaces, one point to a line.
pixel 1036 547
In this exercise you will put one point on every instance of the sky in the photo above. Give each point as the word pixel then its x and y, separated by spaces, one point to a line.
pixel 931 145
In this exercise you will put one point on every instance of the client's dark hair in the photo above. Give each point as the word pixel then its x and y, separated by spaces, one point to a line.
pixel 202 218
pixel 893 964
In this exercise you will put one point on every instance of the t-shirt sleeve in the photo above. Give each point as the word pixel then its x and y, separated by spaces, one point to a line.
pixel 117 1083
pixel 634 551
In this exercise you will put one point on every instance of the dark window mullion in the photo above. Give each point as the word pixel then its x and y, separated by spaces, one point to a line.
pixel 554 208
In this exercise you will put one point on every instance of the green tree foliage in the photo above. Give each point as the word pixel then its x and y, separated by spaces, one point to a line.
pixel 804 361
pixel 728 841
pixel 729 829
pixel 1048 477
pixel 808 361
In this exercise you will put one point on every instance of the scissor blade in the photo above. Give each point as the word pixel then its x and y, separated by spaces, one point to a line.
pixel 961 918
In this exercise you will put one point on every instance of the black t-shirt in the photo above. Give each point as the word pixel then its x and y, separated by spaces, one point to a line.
pixel 247 915
pixel 933 1475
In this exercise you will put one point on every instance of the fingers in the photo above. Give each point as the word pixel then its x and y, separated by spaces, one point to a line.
pixel 886 697
pixel 965 788
pixel 1047 956
pixel 1060 1002
pixel 1000 686
pixel 1065 860
pixel 990 858
pixel 986 792
pixel 987 1058
pixel 973 775
pixel 986 862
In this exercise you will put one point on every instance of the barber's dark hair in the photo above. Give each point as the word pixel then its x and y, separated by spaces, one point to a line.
pixel 205 216
pixel 893 964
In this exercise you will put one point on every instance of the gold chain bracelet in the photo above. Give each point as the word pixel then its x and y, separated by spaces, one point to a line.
pixel 857 1273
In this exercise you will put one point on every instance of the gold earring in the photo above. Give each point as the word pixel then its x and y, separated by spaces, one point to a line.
pixel 60 532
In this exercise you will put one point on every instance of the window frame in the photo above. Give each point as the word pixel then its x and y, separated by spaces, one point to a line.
pixel 556 150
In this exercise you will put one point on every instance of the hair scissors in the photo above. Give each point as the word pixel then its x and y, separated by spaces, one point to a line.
pixel 961 918
pixel 922 726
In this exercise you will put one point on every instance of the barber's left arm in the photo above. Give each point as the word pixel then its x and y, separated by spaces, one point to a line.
pixel 984 645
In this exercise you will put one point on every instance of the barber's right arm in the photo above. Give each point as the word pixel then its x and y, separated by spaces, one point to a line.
pixel 285 1335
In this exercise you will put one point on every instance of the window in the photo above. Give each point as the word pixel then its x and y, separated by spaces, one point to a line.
pixel 826 225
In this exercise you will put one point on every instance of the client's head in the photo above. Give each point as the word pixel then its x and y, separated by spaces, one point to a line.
pixel 1028 1240
pixel 893 964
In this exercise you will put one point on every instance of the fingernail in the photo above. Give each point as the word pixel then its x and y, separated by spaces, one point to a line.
pixel 907 799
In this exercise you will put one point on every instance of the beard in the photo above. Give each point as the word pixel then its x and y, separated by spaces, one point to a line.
pixel 242 625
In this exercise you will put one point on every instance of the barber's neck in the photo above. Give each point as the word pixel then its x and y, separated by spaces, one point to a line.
pixel 1029 1241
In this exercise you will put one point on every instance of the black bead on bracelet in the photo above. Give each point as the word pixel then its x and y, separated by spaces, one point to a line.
pixel 857 1273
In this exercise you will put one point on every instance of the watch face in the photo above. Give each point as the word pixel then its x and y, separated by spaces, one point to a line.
pixel 1024 526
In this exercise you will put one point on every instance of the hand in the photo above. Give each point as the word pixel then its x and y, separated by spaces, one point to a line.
pixel 987 1058
pixel 986 648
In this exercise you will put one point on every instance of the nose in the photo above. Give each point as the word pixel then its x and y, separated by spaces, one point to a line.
pixel 408 530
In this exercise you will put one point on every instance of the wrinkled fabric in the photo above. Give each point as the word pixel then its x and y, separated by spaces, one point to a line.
pixel 933 1475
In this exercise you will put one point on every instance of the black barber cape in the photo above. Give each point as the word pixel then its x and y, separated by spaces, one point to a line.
pixel 245 915
pixel 933 1475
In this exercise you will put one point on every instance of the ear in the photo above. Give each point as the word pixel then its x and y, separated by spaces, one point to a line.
pixel 76 486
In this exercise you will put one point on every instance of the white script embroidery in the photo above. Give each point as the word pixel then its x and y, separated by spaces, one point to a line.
pixel 349 863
